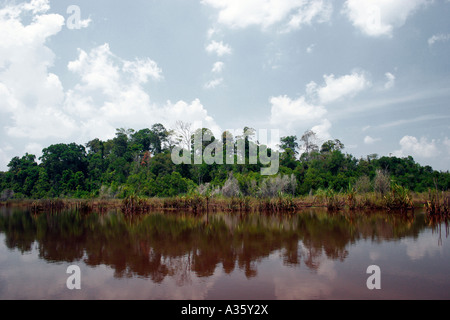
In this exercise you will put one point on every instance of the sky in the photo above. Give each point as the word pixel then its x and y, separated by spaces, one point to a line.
pixel 374 74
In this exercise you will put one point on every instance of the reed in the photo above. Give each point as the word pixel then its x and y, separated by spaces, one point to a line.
pixel 49 205
pixel 333 201
pixel 438 203
pixel 369 201
pixel 398 198
pixel 135 204
pixel 351 198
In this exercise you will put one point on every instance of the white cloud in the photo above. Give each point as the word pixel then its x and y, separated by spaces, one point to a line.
pixel 265 13
pixel 210 32
pixel 322 130
pixel 27 89
pixel 37 6
pixel 447 141
pixel 438 38
pixel 425 248
pixel 109 94
pixel 288 113
pixel 41 123
pixel 34 148
pixel 402 122
pixel 308 111
pixel 218 67
pixel 97 70
pixel 380 17
pixel 337 88
pixel 411 146
pixel 310 49
pixel 390 83
pixel 370 140
pixel 194 113
pixel 5 158
pixel 142 69
pixel 320 11
pixel 213 83
pixel 218 48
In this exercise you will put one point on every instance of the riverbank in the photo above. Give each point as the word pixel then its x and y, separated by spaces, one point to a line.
pixel 395 200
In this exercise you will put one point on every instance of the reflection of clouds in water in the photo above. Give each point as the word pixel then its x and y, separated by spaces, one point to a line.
pixel 300 284
pixel 292 286
pixel 33 278
pixel 100 282
pixel 3 249
pixel 327 270
pixel 427 246
pixel 374 255
pixel 29 256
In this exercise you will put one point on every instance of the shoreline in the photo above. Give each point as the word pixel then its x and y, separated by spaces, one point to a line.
pixel 199 203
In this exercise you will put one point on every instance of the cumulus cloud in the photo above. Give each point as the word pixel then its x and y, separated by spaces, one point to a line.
pixel 194 113
pixel 218 48
pixel 27 89
pixel 337 88
pixel 109 93
pixel 286 111
pixel 426 248
pixel 142 69
pixel 447 143
pixel 319 11
pixel 322 130
pixel 213 83
pixel 438 38
pixel 218 67
pixel 309 110
pixel 310 48
pixel 390 83
pixel 4 158
pixel 370 140
pixel 411 146
pixel 380 17
pixel 265 13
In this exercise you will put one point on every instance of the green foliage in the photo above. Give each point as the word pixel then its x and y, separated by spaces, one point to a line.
pixel 138 163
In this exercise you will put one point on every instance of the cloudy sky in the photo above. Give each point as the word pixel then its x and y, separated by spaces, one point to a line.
pixel 374 74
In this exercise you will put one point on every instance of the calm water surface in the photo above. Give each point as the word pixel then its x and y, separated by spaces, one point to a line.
pixel 307 255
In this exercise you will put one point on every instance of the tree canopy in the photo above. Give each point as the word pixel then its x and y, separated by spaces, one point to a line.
pixel 139 162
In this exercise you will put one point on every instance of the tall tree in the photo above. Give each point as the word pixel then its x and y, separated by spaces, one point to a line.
pixel 61 157
pixel 183 134
pixel 309 139
pixel 331 146
pixel 159 138
pixel 289 142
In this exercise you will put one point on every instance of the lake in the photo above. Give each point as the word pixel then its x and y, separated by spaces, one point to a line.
pixel 311 254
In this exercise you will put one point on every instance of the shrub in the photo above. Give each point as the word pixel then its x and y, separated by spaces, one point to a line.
pixel 363 185
pixel 382 182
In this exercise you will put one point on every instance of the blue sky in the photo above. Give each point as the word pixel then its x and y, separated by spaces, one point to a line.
pixel 374 74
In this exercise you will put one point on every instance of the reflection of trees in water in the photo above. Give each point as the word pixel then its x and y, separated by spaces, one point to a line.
pixel 436 221
pixel 155 246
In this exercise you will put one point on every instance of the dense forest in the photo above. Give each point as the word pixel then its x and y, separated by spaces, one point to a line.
pixel 140 163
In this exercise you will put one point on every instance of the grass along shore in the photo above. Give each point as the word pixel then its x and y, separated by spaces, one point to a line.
pixel 398 198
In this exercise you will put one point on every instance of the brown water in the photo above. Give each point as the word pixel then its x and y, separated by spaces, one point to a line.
pixel 307 255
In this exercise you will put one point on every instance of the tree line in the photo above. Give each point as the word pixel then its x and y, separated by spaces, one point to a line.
pixel 140 163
